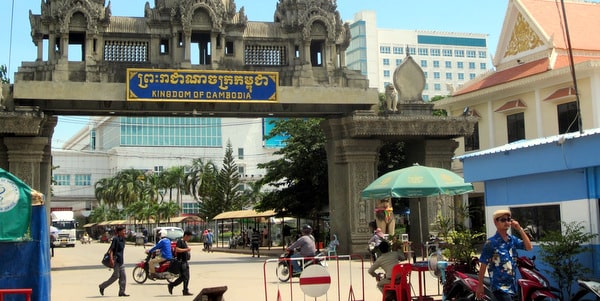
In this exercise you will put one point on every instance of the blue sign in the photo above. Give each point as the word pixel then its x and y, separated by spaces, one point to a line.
pixel 201 85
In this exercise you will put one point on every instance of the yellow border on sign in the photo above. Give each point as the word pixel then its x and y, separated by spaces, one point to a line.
pixel 132 72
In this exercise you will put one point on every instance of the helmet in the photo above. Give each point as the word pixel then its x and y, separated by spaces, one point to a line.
pixel 163 233
pixel 306 229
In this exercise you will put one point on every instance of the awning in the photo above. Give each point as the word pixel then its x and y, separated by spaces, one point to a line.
pixel 89 225
pixel 244 214
pixel 119 222
pixel 104 223
pixel 180 219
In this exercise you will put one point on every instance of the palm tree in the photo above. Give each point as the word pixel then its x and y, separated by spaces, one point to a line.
pixel 196 176
pixel 174 178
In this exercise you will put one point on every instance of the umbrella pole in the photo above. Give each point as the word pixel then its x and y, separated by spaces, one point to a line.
pixel 420 223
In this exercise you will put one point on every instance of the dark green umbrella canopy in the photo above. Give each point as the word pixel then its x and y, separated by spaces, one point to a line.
pixel 416 181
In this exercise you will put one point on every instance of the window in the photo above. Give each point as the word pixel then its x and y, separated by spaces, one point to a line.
pixel 426 87
pixel 459 53
pixel 228 48
pixel 241 153
pixel 423 63
pixel 164 46
pixel 159 169
pixel 470 53
pixel 412 50
pixel 448 64
pixel 426 97
pixel 460 65
pixel 191 208
pixel 384 49
pixel 386 62
pixel 482 66
pixel 436 64
pixel 62 179
pixel 437 87
pixel 93 140
pixel 472 141
pixel 435 52
pixel 471 65
pixel 386 73
pixel 448 75
pixel 426 74
pixel 472 75
pixel 83 180
pixel 482 54
pixel 568 119
pixel 515 127
pixel 398 50
pixel 423 51
pixel 436 75
pixel 537 221
pixel 241 171
pixel 461 76
pixel 398 62
pixel 447 52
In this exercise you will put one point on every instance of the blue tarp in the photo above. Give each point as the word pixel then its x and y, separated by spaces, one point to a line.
pixel 26 264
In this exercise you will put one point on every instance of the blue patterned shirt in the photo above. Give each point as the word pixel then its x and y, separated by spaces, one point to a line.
pixel 498 255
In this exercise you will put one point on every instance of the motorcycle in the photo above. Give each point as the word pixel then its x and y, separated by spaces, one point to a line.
pixel 462 286
pixel 589 289
pixel 533 285
pixel 284 265
pixel 141 272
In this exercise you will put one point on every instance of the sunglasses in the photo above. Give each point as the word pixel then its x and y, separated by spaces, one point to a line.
pixel 504 219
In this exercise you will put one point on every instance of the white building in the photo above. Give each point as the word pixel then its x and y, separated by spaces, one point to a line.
pixel 448 59
pixel 111 144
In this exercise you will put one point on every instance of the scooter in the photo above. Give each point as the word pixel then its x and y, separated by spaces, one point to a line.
pixel 284 266
pixel 461 286
pixel 533 285
pixel 589 289
pixel 141 272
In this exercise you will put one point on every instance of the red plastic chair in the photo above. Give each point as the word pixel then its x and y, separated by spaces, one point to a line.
pixel 403 289
pixel 399 282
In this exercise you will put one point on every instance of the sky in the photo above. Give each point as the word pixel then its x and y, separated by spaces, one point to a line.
pixel 473 16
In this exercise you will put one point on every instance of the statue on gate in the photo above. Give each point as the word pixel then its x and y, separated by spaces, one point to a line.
pixel 391 101
pixel 384 216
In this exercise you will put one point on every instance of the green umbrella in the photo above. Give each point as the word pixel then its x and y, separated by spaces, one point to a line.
pixel 416 181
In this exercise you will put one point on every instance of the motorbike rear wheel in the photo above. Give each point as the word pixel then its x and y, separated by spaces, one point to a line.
pixel 139 275
pixel 283 271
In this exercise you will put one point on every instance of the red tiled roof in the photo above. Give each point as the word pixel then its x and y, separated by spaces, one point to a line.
pixel 561 93
pixel 511 105
pixel 504 76
pixel 583 20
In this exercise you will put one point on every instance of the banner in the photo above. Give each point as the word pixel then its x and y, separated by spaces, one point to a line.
pixel 15 207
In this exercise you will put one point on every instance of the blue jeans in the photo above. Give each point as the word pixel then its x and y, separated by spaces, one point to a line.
pixel 296 263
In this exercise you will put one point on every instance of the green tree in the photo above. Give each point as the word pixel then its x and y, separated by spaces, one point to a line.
pixel 438 112
pixel 560 251
pixel 3 75
pixel 198 178
pixel 228 192
pixel 300 175
pixel 391 157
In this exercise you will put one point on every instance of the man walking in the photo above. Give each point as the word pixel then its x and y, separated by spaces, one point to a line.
pixel 182 252
pixel 117 246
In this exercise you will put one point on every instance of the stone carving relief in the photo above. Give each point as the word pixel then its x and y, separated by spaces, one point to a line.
pixel 94 13
pixel 523 38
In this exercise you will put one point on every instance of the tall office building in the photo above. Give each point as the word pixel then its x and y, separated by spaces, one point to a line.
pixel 448 59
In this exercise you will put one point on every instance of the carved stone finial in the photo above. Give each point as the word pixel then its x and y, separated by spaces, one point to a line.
pixel 409 81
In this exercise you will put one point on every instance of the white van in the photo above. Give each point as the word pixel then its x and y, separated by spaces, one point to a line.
pixel 173 233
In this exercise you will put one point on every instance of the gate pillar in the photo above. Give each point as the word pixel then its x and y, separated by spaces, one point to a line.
pixel 352 165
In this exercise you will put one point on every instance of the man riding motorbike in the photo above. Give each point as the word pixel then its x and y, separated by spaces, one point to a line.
pixel 306 243
pixel 164 245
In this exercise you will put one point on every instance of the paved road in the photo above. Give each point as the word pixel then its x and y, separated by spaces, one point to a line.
pixel 76 273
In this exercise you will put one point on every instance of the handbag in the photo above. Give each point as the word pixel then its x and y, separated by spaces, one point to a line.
pixel 175 266
pixel 106 258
